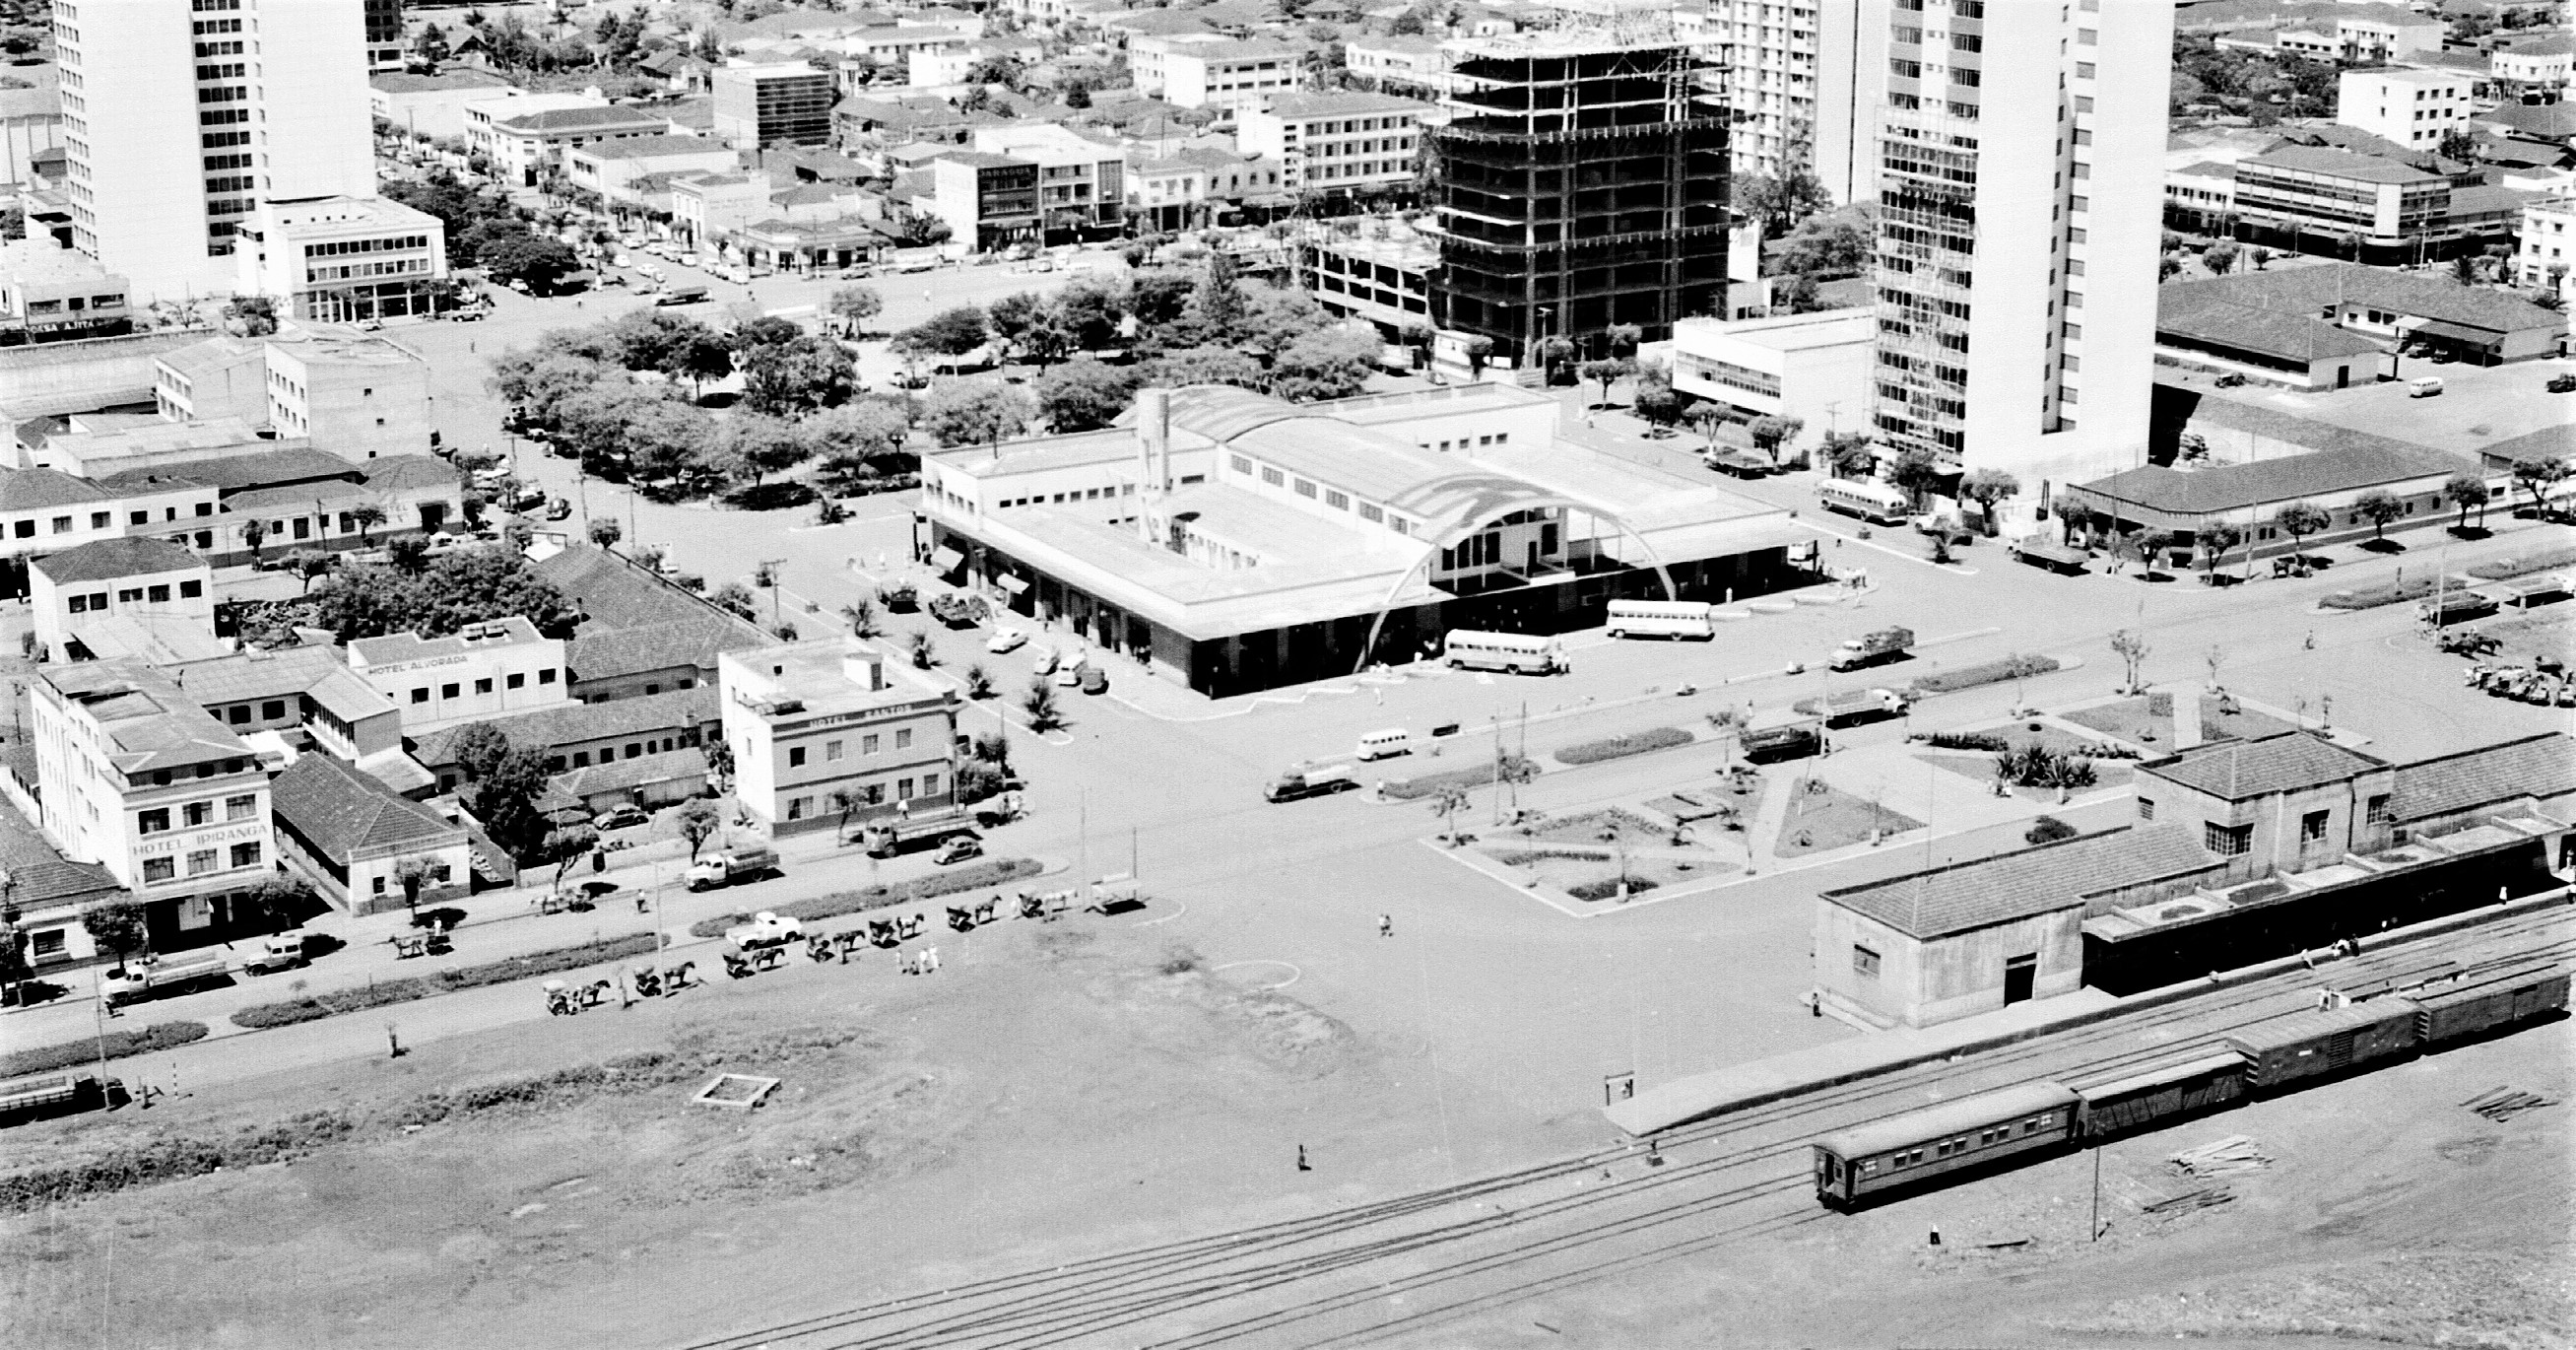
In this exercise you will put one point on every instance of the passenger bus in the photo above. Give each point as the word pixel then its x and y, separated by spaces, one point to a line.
pixel 1662 618
pixel 1875 502
pixel 1516 653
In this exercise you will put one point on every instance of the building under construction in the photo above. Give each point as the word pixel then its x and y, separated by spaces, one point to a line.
pixel 1581 182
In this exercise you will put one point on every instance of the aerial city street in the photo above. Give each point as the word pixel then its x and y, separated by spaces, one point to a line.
pixel 1626 673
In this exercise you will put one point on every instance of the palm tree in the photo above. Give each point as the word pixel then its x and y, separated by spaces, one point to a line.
pixel 1446 802
pixel 862 618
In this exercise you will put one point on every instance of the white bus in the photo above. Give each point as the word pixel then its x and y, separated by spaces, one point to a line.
pixel 1876 502
pixel 1662 618
pixel 1517 653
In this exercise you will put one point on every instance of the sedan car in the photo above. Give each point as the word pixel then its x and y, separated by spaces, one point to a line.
pixel 1095 680
pixel 958 849
pixel 1006 640
pixel 623 818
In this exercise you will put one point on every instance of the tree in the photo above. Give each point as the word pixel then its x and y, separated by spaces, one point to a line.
pixel 1656 400
pixel 767 445
pixel 1203 365
pixel 1770 432
pixel 1607 372
pixel 2167 266
pixel 2466 490
pixel 412 874
pixel 366 516
pixel 409 554
pixel 14 967
pixel 2258 257
pixel 1331 363
pixel 1849 452
pixel 1835 244
pixel 2464 270
pixel 1447 800
pixel 1480 349
pixel 735 598
pixel 431 44
pixel 118 927
pixel 861 616
pixel 1040 706
pixel 2219 258
pixel 253 530
pixel 800 375
pixel 1084 395
pixel 1986 487
pixel 699 822
pixel 2378 508
pixel 1089 310
pixel 1782 200
pixel 952 334
pixel 479 749
pixel 979 681
pixel 1011 317
pixel 855 305
pixel 254 315
pixel 307 564
pixel 1552 353
pixel 917 646
pixel 1623 338
pixel 1157 299
pixel 976 412
pixel 605 532
pixel 2214 541
pixel 1916 472
pixel 2299 520
pixel 2540 477
pixel 2131 647
pixel 1217 303
pixel 513 253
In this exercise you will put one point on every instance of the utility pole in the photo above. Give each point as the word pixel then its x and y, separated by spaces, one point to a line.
pixel 769 568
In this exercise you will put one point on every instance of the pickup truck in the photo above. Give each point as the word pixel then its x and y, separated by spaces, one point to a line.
pixel 765 930
pixel 1853 705
pixel 1770 743
pixel 1871 648
pixel 1289 787
pixel 732 866
pixel 150 978
pixel 277 951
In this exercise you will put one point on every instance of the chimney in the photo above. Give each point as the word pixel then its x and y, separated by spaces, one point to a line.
pixel 1153 453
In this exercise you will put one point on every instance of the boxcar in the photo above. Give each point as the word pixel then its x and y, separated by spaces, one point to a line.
pixel 2325 1041
pixel 2467 1010
pixel 1912 1149
pixel 56 1094
pixel 2143 1100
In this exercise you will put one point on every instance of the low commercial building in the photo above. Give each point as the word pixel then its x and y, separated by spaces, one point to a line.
pixel 1803 366
pixel 773 105
pixel 309 697
pixel 1385 281
pixel 2545 252
pixel 578 735
pixel 2367 34
pixel 1081 183
pixel 526 137
pixel 2206 330
pixel 987 201
pixel 2247 498
pixel 434 105
pixel 49 891
pixel 829 732
pixel 1341 143
pixel 358 843
pixel 409 493
pixel 617 170
pixel 160 586
pixel 2537 63
pixel 341 259
pixel 43 512
pixel 49 293
pixel 135 777
pixel 640 635
pixel 1232 542
pixel 654 780
pixel 482 671
pixel 2243 851
pixel 356 395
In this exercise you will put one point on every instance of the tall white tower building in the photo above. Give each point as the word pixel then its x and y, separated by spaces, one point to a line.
pixel 1805 80
pixel 2020 210
pixel 181 116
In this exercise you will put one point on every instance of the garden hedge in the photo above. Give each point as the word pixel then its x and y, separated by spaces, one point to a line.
pixel 972 877
pixel 114 1045
pixel 1477 776
pixel 1618 747
pixel 1608 888
pixel 1983 673
pixel 384 993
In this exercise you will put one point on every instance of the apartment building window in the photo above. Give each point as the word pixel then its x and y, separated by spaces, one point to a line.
pixel 482 686
pixel 242 807
pixel 831 751
pixel 903 738
pixel 202 861
pixel 2312 828
pixel 154 821
pixel 2227 841
pixel 245 855
pixel 517 681
pixel 198 813
pixel 1864 962
pixel 420 694
pixel 548 677
pixel 447 690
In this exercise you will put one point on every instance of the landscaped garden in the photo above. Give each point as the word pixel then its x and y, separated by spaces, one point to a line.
pixel 1822 818
pixel 2147 721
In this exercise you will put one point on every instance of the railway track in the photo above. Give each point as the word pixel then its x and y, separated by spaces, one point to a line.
pixel 1560 1223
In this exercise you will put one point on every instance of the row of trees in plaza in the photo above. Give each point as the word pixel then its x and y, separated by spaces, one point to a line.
pixel 1165 326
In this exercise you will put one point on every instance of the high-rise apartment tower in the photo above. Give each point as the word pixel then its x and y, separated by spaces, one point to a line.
pixel 2020 206
pixel 1580 180
pixel 1804 80
pixel 181 116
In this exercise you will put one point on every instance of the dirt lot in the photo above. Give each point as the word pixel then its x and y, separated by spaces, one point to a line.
pixel 1821 821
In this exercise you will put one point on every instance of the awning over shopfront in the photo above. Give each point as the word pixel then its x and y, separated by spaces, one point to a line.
pixel 1012 584
pixel 946 559
pixel 2451 332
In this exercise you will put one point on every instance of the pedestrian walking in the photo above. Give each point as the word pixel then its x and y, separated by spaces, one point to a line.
pixel 1302 1164
pixel 1386 925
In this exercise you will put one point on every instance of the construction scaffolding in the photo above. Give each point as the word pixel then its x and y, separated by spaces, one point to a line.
pixel 1580 182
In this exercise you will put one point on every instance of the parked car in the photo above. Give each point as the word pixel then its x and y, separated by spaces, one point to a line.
pixel 958 849
pixel 1006 640
pixel 622 818
pixel 1043 660
pixel 1095 680
pixel 277 951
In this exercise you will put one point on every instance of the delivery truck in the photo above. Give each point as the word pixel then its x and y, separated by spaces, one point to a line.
pixel 733 866
pixel 1870 649
pixel 1300 783
pixel 152 977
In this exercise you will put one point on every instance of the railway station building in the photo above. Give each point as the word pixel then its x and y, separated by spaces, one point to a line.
pixel 2242 852
pixel 1232 542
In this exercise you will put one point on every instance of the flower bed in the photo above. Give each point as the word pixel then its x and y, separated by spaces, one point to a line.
pixel 113 1045
pixel 1478 776
pixel 1608 888
pixel 1983 673
pixel 1619 747
pixel 386 992
pixel 973 877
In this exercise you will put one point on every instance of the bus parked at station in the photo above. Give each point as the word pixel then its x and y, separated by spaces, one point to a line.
pixel 1515 653
pixel 1662 618
pixel 1874 502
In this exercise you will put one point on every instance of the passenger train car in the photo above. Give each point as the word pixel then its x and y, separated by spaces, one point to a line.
pixel 1988 1130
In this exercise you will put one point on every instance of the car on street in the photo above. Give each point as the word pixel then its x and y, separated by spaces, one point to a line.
pixel 1069 674
pixel 277 951
pixel 559 509
pixel 1006 640
pixel 765 930
pixel 470 314
pixel 958 849
pixel 1043 660
pixel 1095 680
pixel 623 818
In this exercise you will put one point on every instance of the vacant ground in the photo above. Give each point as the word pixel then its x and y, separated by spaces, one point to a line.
pixel 2135 721
pixel 1818 822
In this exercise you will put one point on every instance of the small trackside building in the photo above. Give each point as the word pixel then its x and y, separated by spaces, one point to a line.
pixel 830 732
